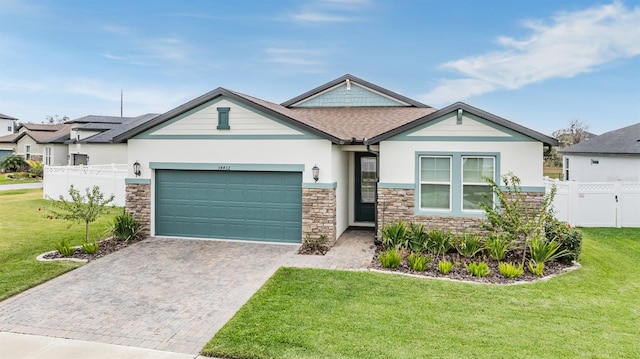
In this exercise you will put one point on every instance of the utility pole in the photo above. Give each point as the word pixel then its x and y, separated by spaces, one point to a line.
pixel 120 102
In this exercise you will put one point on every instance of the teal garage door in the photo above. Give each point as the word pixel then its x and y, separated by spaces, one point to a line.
pixel 5 153
pixel 259 206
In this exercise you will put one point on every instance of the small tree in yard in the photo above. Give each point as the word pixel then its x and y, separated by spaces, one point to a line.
pixel 522 221
pixel 81 208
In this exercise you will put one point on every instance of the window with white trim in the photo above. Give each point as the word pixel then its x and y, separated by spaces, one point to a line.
pixel 474 188
pixel 27 152
pixel 47 155
pixel 435 182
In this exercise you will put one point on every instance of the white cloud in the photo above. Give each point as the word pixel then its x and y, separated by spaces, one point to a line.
pixel 328 11
pixel 567 45
pixel 300 57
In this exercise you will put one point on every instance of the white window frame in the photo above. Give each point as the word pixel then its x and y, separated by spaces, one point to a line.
pixel 421 182
pixel 48 155
pixel 27 152
pixel 482 183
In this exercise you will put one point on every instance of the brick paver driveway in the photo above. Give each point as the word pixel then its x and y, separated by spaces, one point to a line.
pixel 166 294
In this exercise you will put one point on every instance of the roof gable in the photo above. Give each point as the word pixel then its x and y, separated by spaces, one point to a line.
pixel 480 126
pixel 625 140
pixel 202 121
pixel 350 91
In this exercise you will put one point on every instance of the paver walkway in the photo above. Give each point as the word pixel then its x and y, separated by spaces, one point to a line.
pixel 164 294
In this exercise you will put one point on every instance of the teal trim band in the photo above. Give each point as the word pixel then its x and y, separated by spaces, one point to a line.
pixel 227 137
pixel 463 139
pixel 320 185
pixel 397 185
pixel 137 180
pixel 258 167
pixel 531 189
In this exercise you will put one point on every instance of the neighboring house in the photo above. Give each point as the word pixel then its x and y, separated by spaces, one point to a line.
pixel 90 139
pixel 39 142
pixel 6 128
pixel 612 156
pixel 347 153
pixel 6 125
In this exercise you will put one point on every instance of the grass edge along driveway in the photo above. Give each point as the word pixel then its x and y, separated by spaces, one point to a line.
pixel 25 233
pixel 310 313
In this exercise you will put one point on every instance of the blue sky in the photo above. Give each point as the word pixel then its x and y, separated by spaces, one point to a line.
pixel 539 63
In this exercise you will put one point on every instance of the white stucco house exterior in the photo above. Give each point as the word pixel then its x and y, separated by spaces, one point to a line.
pixel 347 153
pixel 90 140
pixel 611 156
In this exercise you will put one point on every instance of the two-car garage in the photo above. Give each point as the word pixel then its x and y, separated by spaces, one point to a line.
pixel 227 204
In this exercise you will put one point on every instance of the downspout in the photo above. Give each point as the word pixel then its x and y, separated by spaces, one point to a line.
pixel 376 240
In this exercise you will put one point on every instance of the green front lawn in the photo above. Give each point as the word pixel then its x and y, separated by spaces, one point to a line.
pixel 592 312
pixel 25 233
pixel 4 180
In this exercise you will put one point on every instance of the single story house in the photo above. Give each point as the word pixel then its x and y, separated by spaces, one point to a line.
pixel 39 142
pixel 347 153
pixel 91 139
pixel 611 156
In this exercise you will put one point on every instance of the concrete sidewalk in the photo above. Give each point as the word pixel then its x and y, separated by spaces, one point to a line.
pixel 39 347
pixel 7 187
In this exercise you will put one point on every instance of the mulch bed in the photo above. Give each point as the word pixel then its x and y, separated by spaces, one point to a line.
pixel 105 247
pixel 460 273
pixel 313 250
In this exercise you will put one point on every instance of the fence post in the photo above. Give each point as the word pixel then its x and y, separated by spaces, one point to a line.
pixel 617 192
pixel 571 202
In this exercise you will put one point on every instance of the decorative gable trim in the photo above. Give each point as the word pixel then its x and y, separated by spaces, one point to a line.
pixel 352 79
pixel 351 88
pixel 493 120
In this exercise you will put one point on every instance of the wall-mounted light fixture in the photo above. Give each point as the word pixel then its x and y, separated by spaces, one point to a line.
pixel 136 168
pixel 316 173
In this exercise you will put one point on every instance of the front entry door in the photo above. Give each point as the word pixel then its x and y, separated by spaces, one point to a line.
pixel 365 187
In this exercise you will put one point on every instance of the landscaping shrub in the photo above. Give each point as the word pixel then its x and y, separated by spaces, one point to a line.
pixel 570 239
pixel 445 266
pixel 439 242
pixel 543 250
pixel 91 247
pixel 478 269
pixel 394 235
pixel 417 237
pixel 390 258
pixel 497 246
pixel 35 168
pixel 510 270
pixel 469 244
pixel 536 268
pixel 418 262
pixel 64 247
pixel 125 227
pixel 13 163
pixel 17 175
pixel 514 216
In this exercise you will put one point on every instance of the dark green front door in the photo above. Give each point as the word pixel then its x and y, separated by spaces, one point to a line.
pixel 365 187
pixel 261 206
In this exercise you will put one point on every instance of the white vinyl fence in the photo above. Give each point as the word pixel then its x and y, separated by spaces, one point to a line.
pixel 597 204
pixel 110 178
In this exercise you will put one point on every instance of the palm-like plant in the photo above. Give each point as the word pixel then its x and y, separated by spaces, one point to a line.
pixel 13 163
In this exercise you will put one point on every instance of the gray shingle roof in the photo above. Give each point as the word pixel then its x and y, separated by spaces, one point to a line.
pixel 99 119
pixel 117 129
pixel 625 140
pixel 6 117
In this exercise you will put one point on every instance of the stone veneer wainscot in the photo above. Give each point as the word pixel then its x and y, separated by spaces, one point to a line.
pixel 138 203
pixel 319 213
pixel 396 204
